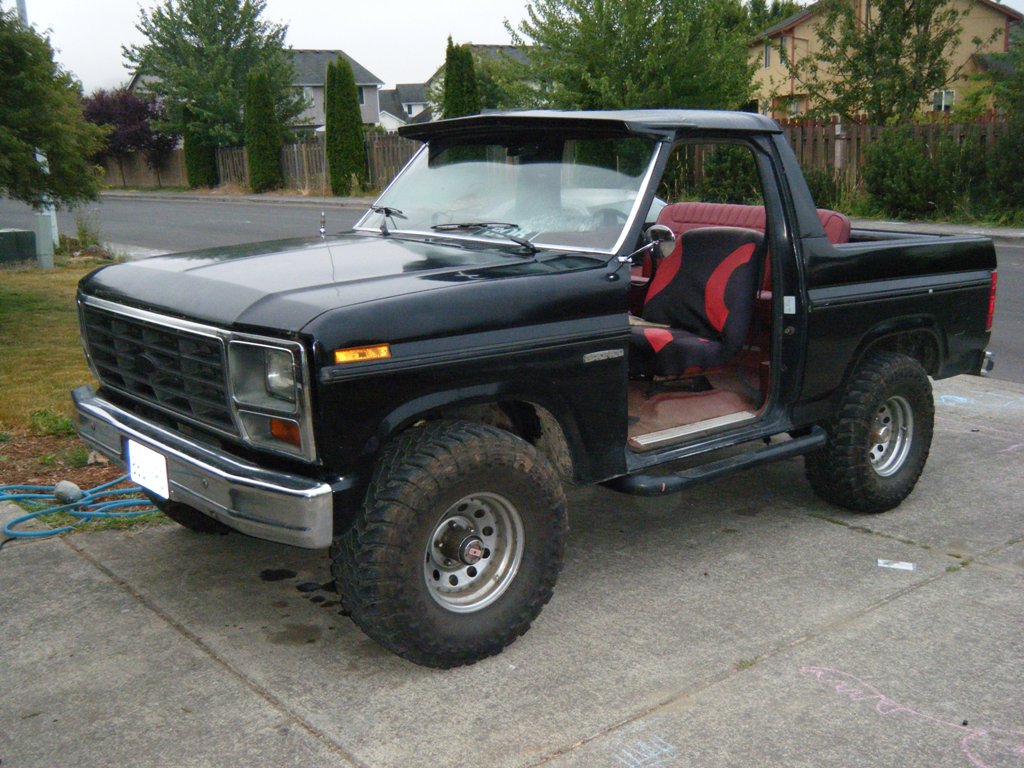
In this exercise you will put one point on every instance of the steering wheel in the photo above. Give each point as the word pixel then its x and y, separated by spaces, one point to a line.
pixel 610 217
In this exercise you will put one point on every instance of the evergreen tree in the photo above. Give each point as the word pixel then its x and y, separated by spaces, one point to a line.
pixel 461 95
pixel 262 135
pixel 346 148
pixel 762 15
pixel 200 157
pixel 41 108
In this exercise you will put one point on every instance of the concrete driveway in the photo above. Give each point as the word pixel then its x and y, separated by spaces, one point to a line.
pixel 745 623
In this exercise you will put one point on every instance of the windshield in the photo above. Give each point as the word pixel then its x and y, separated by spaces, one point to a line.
pixel 556 191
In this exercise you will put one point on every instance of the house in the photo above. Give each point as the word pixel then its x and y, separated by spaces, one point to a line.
pixel 482 54
pixel 405 103
pixel 781 96
pixel 311 75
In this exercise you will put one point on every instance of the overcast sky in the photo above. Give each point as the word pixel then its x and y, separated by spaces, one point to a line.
pixel 400 41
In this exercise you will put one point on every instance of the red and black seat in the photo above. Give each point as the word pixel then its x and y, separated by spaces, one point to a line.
pixel 704 290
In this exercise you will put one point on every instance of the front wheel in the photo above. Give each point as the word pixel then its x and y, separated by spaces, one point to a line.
pixel 458 546
pixel 879 439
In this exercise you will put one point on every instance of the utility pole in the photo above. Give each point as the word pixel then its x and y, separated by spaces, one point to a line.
pixel 47 236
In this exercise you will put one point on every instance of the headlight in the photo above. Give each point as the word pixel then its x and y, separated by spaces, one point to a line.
pixel 269 395
pixel 280 374
pixel 263 376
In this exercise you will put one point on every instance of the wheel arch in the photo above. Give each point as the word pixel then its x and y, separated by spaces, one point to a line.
pixel 545 422
pixel 920 338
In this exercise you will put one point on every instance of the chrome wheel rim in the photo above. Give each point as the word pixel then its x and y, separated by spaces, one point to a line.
pixel 892 432
pixel 474 552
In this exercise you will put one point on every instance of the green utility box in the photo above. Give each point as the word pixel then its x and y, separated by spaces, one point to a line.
pixel 16 245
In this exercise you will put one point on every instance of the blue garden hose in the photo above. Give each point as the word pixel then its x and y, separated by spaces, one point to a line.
pixel 94 504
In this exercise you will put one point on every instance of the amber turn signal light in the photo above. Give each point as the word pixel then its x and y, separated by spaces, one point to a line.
pixel 362 354
pixel 286 431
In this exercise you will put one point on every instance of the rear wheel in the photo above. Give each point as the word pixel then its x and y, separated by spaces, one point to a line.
pixel 458 546
pixel 879 439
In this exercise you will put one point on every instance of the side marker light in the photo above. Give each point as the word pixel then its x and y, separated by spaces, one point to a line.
pixel 362 354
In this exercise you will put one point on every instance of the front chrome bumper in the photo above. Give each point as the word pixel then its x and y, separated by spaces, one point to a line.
pixel 277 506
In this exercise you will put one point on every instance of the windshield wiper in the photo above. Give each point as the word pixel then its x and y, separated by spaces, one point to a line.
pixel 496 225
pixel 389 213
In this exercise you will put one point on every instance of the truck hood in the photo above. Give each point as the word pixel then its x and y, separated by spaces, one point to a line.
pixel 286 284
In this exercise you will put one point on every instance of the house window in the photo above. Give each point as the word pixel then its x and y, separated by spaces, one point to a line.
pixel 767 53
pixel 942 101
pixel 361 96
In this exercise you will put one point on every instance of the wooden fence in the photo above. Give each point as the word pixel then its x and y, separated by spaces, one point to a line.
pixel 838 148
pixel 304 164
pixel 133 171
pixel 821 146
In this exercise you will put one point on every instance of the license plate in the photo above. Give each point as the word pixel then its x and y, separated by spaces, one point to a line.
pixel 148 469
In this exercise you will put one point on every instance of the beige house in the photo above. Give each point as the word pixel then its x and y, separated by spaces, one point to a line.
pixel 781 96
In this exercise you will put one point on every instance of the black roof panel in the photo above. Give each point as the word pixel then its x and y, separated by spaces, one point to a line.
pixel 654 121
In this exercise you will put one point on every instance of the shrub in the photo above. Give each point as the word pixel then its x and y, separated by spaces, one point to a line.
pixel 200 162
pixel 906 175
pixel 730 176
pixel 1006 170
pixel 897 173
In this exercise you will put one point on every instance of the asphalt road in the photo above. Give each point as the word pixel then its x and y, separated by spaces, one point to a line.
pixel 170 225
pixel 137 226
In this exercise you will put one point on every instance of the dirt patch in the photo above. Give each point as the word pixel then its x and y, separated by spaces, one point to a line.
pixel 27 459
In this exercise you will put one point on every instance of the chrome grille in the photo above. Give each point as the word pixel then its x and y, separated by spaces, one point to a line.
pixel 174 369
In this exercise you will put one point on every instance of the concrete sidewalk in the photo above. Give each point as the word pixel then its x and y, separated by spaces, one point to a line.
pixel 744 623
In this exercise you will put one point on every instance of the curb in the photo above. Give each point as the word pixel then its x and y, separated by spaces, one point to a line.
pixel 998 234
pixel 337 202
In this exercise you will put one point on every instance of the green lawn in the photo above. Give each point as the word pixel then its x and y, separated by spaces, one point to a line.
pixel 41 356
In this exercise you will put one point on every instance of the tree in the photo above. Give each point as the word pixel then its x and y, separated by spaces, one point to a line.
pixel 41 108
pixel 625 54
pixel 161 144
pixel 197 59
pixel 762 15
pixel 1006 166
pixel 128 121
pixel 346 150
pixel 1007 86
pixel 461 94
pixel 884 67
pixel 262 135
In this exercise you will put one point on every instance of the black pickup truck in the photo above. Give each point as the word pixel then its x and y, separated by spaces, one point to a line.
pixel 644 299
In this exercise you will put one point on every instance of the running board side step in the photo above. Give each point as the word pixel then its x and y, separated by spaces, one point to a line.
pixel 658 485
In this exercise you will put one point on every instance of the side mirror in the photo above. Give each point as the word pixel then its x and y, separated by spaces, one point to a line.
pixel 663 238
pixel 659 238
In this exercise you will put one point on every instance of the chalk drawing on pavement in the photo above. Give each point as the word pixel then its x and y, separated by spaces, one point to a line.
pixel 982 747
